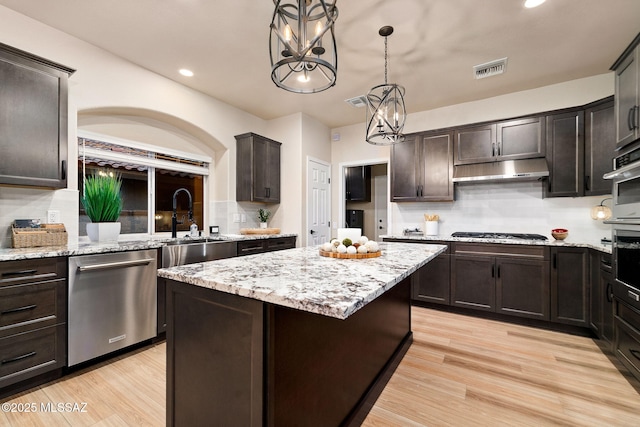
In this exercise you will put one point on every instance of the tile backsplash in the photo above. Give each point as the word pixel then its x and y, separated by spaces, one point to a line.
pixel 30 203
pixel 515 207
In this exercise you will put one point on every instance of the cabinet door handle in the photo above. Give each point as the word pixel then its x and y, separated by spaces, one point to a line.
pixel 630 117
pixel 493 271
pixel 587 183
pixel 498 272
pixel 493 149
pixel 609 292
pixel 18 358
pixel 499 145
pixel 19 309
pixel 63 170
pixel 555 261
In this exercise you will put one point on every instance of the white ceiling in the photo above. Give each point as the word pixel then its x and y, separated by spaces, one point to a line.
pixel 431 53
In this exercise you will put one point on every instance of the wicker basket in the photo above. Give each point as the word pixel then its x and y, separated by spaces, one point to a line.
pixel 46 235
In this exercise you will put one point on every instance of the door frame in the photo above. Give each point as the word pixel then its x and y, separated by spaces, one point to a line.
pixel 342 191
pixel 304 241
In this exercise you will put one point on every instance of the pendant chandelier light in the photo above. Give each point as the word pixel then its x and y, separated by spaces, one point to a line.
pixel 302 45
pixel 385 107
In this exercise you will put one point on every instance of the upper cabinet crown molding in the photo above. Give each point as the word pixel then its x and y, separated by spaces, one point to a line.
pixel 33 120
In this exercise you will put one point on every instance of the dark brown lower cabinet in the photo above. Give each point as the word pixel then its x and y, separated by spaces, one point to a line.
pixel 601 295
pixel 33 316
pixel 522 287
pixel 501 278
pixel 570 286
pixel 431 283
pixel 473 282
pixel 235 361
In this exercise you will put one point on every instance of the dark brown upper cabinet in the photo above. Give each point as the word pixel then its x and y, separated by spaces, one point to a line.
pixel 257 169
pixel 358 183
pixel 422 168
pixel 580 149
pixel 504 140
pixel 33 120
pixel 565 154
pixel 600 145
pixel 627 90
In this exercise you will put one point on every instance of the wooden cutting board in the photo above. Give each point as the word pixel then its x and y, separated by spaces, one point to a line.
pixel 259 231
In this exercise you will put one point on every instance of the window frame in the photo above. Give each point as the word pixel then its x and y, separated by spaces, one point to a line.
pixel 152 163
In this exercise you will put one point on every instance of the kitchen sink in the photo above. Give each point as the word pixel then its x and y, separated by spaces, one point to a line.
pixel 191 250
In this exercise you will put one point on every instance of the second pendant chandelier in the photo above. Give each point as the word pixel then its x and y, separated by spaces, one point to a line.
pixel 386 112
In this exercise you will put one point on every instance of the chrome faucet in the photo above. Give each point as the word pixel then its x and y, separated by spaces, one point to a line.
pixel 174 216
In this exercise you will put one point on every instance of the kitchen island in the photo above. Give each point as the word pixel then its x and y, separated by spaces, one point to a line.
pixel 288 337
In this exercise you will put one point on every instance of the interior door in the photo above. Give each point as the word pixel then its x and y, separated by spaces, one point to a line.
pixel 318 203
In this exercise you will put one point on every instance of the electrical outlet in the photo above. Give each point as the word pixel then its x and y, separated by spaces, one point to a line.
pixel 243 218
pixel 236 217
pixel 53 217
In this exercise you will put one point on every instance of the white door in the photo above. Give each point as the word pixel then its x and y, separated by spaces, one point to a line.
pixel 318 202
pixel 380 197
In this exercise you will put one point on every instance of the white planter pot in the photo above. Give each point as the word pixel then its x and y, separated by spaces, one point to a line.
pixel 263 225
pixel 103 232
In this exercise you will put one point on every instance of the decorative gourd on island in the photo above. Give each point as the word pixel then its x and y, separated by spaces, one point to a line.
pixel 347 248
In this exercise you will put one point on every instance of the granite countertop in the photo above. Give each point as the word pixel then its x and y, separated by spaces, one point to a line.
pixel 302 279
pixel 86 248
pixel 597 245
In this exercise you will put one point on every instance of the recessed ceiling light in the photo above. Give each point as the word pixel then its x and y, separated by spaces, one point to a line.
pixel 186 73
pixel 533 3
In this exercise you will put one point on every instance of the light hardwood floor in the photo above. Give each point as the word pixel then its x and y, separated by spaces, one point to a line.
pixel 460 371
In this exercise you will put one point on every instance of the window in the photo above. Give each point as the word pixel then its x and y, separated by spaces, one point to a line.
pixel 149 181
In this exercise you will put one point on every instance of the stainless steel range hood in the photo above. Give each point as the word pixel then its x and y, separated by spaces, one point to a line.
pixel 506 170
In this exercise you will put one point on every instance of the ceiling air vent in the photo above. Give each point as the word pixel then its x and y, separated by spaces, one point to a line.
pixel 358 101
pixel 489 69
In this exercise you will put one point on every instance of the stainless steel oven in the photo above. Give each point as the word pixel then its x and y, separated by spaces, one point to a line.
pixel 626 184
pixel 626 257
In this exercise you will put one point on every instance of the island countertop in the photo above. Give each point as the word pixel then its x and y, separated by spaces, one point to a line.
pixel 302 279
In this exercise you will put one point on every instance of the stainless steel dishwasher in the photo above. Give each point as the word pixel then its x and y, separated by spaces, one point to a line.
pixel 112 302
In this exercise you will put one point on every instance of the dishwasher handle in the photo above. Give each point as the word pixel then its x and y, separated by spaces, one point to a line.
pixel 106 265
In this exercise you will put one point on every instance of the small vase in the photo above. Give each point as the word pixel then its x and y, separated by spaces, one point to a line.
pixel 263 225
pixel 103 232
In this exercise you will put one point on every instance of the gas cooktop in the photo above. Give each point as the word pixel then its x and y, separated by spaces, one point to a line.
pixel 494 235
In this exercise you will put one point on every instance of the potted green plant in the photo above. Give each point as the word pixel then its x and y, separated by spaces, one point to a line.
pixel 102 201
pixel 263 216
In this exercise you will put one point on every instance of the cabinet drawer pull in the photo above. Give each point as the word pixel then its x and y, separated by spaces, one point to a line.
pixel 19 273
pixel 609 292
pixel 18 358
pixel 633 296
pixel 635 353
pixel 251 248
pixel 19 309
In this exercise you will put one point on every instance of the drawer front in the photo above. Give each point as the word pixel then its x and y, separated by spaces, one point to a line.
pixel 280 243
pixel 250 247
pixel 628 314
pixel 516 251
pixel 33 270
pixel 627 294
pixel 26 355
pixel 627 346
pixel 27 306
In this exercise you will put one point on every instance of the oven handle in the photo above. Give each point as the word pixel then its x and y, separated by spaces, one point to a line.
pixel 618 172
pixel 106 265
